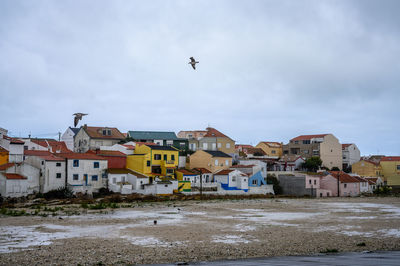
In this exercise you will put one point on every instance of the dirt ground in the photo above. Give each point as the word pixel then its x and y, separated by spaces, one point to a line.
pixel 188 231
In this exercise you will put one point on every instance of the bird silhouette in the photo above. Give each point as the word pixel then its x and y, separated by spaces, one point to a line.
pixel 193 62
pixel 78 116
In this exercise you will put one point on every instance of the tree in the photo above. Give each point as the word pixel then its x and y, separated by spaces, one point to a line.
pixel 312 164
pixel 271 179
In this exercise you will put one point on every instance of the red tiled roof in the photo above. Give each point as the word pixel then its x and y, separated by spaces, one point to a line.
pixel 6 166
pixel 13 176
pixel 371 180
pixel 36 153
pixel 390 158
pixel 202 170
pixel 212 132
pixel 81 156
pixel 13 140
pixel 242 166
pixel 344 178
pixel 369 161
pixel 237 146
pixel 308 137
pixel 186 172
pixel 345 145
pixel 110 153
pixel 56 146
pixel 224 172
pixel 97 133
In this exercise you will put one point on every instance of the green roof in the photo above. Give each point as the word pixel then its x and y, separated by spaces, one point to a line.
pixel 152 135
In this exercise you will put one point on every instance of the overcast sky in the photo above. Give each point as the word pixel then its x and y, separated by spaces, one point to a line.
pixel 268 71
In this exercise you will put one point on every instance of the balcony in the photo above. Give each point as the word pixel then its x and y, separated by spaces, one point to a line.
pixel 168 163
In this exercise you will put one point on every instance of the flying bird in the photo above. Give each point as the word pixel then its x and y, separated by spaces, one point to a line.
pixel 78 116
pixel 193 62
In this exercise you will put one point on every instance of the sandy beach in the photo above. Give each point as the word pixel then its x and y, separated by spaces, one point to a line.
pixel 189 231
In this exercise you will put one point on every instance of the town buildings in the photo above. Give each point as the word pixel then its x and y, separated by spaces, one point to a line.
pixel 271 149
pixel 351 154
pixel 325 146
pixel 92 138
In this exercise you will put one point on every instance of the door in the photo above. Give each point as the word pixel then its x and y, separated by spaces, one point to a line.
pixel 85 178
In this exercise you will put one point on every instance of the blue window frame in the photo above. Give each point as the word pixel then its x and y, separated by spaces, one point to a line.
pixel 96 165
pixel 76 163
pixel 75 177
pixel 95 177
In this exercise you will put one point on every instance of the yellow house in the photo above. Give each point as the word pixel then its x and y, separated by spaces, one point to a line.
pixel 366 168
pixel 391 170
pixel 211 160
pixel 3 156
pixel 154 160
pixel 272 149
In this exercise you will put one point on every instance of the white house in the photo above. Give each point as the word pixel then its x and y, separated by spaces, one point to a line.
pixel 92 138
pixel 30 180
pixel 15 149
pixel 13 185
pixel 127 149
pixel 52 169
pixel 231 180
pixel 351 154
pixel 126 181
pixel 261 165
pixel 68 137
pixel 86 172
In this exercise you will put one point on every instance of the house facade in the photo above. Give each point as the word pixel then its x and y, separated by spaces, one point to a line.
pixel 231 180
pixel 85 172
pixel 92 138
pixel 211 160
pixel 154 160
pixel 212 140
pixel 271 149
pixel 13 185
pixel 367 168
pixel 348 185
pixel 68 137
pixel 3 156
pixel 351 154
pixel 52 173
pixel 302 185
pixel 325 146
pixel 391 171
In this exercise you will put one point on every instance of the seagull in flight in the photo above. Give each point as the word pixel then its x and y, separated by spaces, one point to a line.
pixel 193 62
pixel 78 116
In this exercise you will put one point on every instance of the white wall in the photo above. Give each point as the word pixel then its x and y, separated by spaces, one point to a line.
pixel 86 167
pixel 68 138
pixel 13 187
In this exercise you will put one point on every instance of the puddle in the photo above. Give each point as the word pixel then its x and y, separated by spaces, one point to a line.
pixel 230 239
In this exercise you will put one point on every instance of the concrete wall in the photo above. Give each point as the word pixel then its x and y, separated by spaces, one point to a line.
pixel 86 167
pixel 294 185
pixel 13 187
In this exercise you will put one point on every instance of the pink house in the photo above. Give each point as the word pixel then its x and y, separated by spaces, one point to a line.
pixel 348 185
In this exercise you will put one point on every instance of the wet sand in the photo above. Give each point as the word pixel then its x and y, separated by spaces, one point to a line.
pixel 202 231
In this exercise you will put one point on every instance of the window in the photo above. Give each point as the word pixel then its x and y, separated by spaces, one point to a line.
pixel 398 167
pixel 214 146
pixel 219 145
pixel 305 151
pixel 254 182
pixel 94 178
pixel 148 163
pixel 75 163
pixel 216 162
pixel 228 145
pixel 165 157
pixel 165 185
pixel 172 157
pixel 205 146
pixel 306 141
pixel 315 182
pixel 190 135
pixel 157 156
pixel 296 142
pixel 233 178
pixel 331 150
pixel 226 162
pixel 96 165
pixel 58 175
pixel 273 151
pixel 58 164
pixel 114 180
pixel 75 177
pixel 25 147
pixel 170 171
pixel 42 162
pixel 170 142
pixel 345 185
pixel 309 181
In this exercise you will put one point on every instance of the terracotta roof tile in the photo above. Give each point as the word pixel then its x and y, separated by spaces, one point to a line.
pixel 272 144
pixel 202 170
pixel 308 137
pixel 186 172
pixel 13 176
pixel 224 172
pixel 81 156
pixel 390 158
pixel 243 166
pixel 97 133
pixel 56 146
pixel 344 178
pixel 345 145
pixel 212 132
pixel 6 166
pixel 110 153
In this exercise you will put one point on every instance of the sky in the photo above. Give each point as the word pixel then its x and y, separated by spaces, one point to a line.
pixel 268 71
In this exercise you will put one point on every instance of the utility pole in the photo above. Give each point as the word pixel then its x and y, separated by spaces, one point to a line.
pixel 338 185
pixel 59 136
pixel 201 184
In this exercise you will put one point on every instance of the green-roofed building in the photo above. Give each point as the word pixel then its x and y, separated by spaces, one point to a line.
pixel 161 138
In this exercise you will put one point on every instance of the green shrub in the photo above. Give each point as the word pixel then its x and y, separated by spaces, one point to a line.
pixel 59 193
